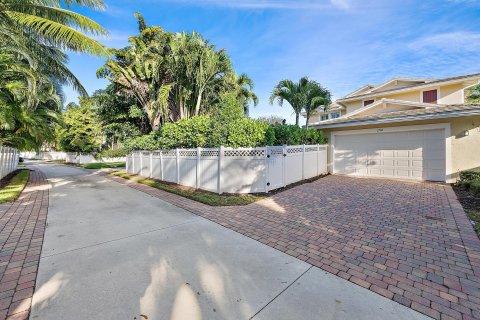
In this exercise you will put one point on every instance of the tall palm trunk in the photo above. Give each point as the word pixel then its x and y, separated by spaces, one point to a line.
pixel 297 118
pixel 199 102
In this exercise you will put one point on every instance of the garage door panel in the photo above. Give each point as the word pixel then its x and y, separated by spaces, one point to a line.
pixel 412 154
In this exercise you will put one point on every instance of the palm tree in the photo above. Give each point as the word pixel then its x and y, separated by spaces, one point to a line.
pixel 45 22
pixel 43 29
pixel 317 96
pixel 245 92
pixel 294 93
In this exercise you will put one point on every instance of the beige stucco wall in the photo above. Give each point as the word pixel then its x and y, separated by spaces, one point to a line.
pixel 465 149
pixel 449 94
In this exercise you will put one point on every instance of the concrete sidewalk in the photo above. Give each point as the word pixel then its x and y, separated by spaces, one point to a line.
pixel 111 252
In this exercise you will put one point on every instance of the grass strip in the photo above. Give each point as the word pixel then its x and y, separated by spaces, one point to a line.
pixel 103 165
pixel 16 185
pixel 209 198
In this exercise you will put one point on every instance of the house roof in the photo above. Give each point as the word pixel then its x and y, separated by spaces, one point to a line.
pixel 414 86
pixel 391 101
pixel 446 111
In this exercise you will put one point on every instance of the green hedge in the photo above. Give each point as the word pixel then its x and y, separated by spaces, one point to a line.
pixel 278 135
pixel 215 131
pixel 469 175
pixel 111 154
pixel 470 179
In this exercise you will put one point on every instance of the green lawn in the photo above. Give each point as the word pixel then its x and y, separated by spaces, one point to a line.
pixel 103 165
pixel 13 189
pixel 205 197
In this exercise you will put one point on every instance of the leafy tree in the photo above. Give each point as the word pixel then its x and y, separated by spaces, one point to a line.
pixel 120 116
pixel 173 76
pixel 294 93
pixel 473 94
pixel 33 34
pixel 82 130
pixel 29 102
pixel 317 96
pixel 273 119
pixel 43 28
pixel 245 88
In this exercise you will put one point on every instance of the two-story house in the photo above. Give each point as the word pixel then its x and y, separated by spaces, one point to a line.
pixel 406 128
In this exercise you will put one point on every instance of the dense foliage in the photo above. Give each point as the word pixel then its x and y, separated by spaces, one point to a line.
pixel 81 131
pixel 225 127
pixel 473 94
pixel 173 76
pixel 470 179
pixel 33 34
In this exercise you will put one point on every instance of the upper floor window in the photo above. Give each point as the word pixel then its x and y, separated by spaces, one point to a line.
pixel 335 115
pixel 327 116
pixel 430 96
pixel 367 102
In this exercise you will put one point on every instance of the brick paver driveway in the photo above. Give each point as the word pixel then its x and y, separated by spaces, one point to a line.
pixel 410 242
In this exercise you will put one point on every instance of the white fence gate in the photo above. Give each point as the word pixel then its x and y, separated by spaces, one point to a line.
pixel 8 160
pixel 228 170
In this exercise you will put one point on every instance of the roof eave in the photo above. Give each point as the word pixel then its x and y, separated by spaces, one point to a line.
pixel 406 89
pixel 443 115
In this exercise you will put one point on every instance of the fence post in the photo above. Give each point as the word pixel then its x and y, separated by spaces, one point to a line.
pixel 178 166
pixel 151 164
pixel 15 163
pixel 141 162
pixel 2 150
pixel 267 169
pixel 133 162
pixel 126 163
pixel 197 182
pixel 318 157
pixel 284 155
pixel 161 165
pixel 219 173
pixel 303 162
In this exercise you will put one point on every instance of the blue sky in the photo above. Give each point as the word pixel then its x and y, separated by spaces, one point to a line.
pixel 343 44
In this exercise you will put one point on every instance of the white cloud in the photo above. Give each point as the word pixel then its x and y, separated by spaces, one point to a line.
pixel 268 4
pixel 449 42
pixel 342 4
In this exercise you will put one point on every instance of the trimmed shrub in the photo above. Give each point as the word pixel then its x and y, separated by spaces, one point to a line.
pixel 146 142
pixel 469 175
pixel 111 153
pixel 293 135
pixel 186 133
pixel 475 186
pixel 246 133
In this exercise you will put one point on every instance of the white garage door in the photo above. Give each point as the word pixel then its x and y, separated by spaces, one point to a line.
pixel 408 154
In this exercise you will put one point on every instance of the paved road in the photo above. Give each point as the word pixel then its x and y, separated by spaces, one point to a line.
pixel 111 252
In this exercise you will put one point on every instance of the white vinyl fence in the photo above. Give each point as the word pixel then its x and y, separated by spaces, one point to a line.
pixel 228 170
pixel 70 157
pixel 8 160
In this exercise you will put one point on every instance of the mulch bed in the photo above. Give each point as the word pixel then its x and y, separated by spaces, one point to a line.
pixel 468 200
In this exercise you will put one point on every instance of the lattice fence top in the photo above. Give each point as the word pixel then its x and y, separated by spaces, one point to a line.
pixel 169 153
pixel 293 150
pixel 260 152
pixel 187 153
pixel 209 153
pixel 230 152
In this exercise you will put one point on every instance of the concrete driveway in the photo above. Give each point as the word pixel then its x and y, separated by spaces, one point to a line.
pixel 112 252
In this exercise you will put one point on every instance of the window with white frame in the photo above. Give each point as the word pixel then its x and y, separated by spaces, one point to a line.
pixel 334 115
